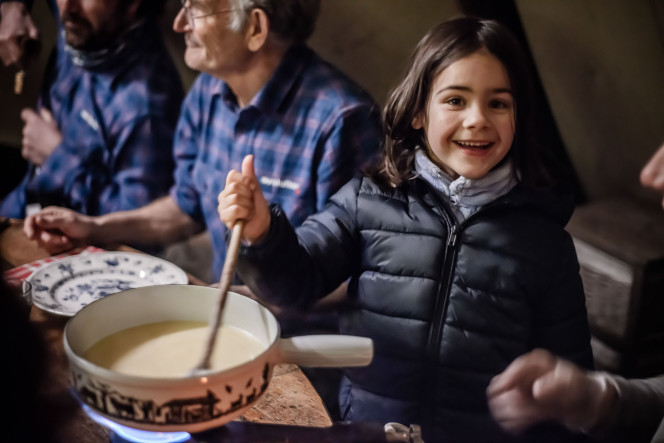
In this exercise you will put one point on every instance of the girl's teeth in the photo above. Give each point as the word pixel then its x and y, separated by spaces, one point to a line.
pixel 473 145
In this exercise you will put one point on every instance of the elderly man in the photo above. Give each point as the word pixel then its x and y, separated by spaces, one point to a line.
pixel 101 138
pixel 262 92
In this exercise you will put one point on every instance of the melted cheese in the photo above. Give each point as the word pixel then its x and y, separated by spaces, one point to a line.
pixel 171 349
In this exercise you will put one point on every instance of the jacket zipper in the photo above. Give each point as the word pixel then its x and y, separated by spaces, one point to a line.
pixel 442 301
pixel 440 307
pixel 439 313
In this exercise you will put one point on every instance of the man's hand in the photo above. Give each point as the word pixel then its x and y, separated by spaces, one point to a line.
pixel 538 386
pixel 59 229
pixel 652 174
pixel 40 135
pixel 16 29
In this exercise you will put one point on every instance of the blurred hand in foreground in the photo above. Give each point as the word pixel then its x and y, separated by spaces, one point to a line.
pixel 652 174
pixel 539 386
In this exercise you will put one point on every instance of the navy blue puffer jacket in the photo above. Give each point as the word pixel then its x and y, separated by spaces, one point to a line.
pixel 447 305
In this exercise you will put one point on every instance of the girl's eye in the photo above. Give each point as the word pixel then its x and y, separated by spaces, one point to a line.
pixel 500 104
pixel 454 101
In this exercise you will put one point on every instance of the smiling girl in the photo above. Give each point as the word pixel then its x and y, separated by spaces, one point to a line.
pixel 455 247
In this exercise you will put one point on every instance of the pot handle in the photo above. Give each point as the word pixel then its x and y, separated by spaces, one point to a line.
pixel 326 351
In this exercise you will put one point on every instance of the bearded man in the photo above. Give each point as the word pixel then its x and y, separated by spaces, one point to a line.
pixel 100 139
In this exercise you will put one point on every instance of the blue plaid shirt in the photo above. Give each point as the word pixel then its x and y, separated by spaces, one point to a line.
pixel 117 126
pixel 310 129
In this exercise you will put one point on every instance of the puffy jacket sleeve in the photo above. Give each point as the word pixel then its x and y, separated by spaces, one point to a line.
pixel 296 268
pixel 562 319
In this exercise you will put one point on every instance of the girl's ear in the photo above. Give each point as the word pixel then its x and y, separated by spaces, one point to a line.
pixel 418 121
pixel 258 29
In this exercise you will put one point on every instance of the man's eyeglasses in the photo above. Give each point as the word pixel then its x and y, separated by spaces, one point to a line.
pixel 193 14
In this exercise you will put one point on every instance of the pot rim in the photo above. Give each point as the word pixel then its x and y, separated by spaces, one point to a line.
pixel 270 355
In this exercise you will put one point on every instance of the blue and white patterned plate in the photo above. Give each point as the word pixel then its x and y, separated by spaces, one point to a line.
pixel 66 285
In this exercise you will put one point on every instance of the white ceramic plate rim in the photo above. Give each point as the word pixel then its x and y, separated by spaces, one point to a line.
pixel 51 304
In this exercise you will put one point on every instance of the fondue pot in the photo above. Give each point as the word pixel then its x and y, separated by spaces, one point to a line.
pixel 197 402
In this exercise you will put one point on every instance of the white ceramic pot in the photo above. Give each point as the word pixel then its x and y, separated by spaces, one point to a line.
pixel 194 403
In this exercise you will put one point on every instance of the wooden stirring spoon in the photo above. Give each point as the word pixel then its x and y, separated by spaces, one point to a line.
pixel 224 283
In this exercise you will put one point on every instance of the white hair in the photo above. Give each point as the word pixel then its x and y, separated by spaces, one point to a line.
pixel 239 16
pixel 290 20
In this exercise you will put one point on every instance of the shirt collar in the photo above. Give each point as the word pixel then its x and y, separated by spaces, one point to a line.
pixel 274 92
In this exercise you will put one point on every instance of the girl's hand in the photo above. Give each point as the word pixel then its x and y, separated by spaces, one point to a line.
pixel 242 199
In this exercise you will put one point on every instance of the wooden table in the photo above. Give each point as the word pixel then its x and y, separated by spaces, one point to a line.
pixel 289 400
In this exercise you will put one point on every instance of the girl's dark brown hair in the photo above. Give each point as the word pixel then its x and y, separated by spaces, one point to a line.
pixel 443 45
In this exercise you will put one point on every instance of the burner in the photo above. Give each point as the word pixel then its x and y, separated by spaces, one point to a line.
pixel 124 434
pixel 247 432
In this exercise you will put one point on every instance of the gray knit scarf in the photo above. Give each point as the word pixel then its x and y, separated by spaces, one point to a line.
pixel 466 195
